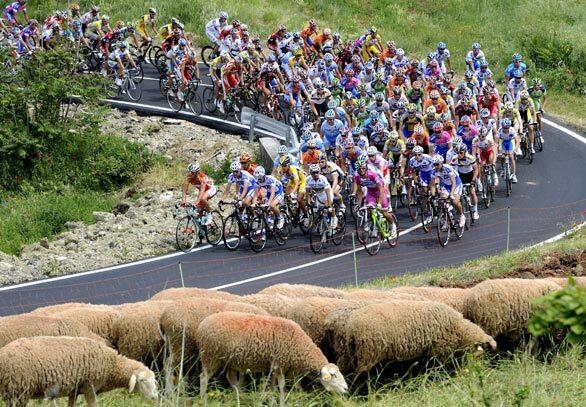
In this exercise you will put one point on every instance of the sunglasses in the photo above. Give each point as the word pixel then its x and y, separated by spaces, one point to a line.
pixel 418 155
pixel 311 148
pixel 436 164
pixel 434 98
pixel 465 125
pixel 314 172
pixel 372 155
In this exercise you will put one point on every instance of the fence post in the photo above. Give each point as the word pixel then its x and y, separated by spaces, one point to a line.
pixel 354 255
pixel 508 227
pixel 181 275
pixel 252 125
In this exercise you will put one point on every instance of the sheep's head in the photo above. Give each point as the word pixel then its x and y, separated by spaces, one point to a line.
pixel 332 379
pixel 146 383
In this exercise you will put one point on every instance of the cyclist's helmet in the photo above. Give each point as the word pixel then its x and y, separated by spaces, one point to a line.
pixel 307 126
pixel 418 129
pixel 245 158
pixel 434 94
pixel 283 150
pixel 313 23
pixel 330 114
pixel 378 128
pixel 306 135
pixel 433 63
pixel 193 168
pixel 235 166
pixel 456 142
pixel 484 113
pixel 467 94
pixel 296 78
pixel 285 160
pixel 272 58
pixel 518 74
pixel 476 46
pixel 371 151
pixel 506 122
pixel 174 21
pixel 374 115
pixel 298 52
pixel 484 63
pixel 105 17
pixel 122 45
pixel 259 172
pixel 314 169
pixel 32 21
pixel 418 150
pixel 388 61
pixel 430 111
pixel 152 10
pixel 317 82
pixel 469 75
pixel 411 108
pixel 401 105
pixel 379 97
pixel 524 94
pixel 441 46
pixel 411 143
pixel 438 126
pixel 462 148
pixel 536 81
pixel 368 65
pixel 517 57
pixel 437 159
pixel 328 57
pixel 223 15
pixel 393 135
pixel 400 52
pixel 321 64
pixel 357 131
pixel 95 9
pixel 465 119
pixel 311 143
pixel 483 132
pixel 509 106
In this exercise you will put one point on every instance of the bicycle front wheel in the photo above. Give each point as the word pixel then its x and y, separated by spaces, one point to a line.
pixel 282 234
pixel 195 103
pixel 206 55
pixel 412 204
pixel 340 230
pixel 231 233
pixel 174 103
pixel 372 239
pixel 318 235
pixel 208 100
pixel 444 227
pixel 186 234
pixel 213 230
pixel 133 89
pixel 257 234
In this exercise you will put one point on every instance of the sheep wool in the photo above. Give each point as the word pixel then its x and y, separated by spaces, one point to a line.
pixel 240 341
pixel 563 281
pixel 50 367
pixel 27 325
pixel 276 305
pixel 302 291
pixel 193 292
pixel 364 294
pixel 454 297
pixel 99 320
pixel 395 331
pixel 51 309
pixel 310 313
pixel 503 306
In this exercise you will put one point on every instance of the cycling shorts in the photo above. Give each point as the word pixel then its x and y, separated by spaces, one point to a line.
pixel 467 177
pixel 447 190
pixel 320 198
pixel 230 81
pixel 425 178
pixel 371 198
pixel 486 156
pixel 507 147
pixel 10 17
pixel 249 192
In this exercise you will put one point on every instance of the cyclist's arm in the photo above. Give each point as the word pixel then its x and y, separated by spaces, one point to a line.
pixel 244 190
pixel 227 190
pixel 131 60
pixel 184 189
pixel 453 186
pixel 381 191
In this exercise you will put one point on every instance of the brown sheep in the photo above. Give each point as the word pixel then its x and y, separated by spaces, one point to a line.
pixel 454 297
pixel 99 320
pixel 302 291
pixel 563 281
pixel 180 293
pixel 51 309
pixel 364 294
pixel 276 305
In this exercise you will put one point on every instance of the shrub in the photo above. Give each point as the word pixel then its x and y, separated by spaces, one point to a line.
pixel 562 312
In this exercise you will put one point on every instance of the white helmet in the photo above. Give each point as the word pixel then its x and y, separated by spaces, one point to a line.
pixel 223 15
pixel 193 168
pixel 438 159
pixel 235 166
pixel 314 168
pixel 283 150
pixel 417 150
pixel 330 114
pixel 371 150
pixel 259 172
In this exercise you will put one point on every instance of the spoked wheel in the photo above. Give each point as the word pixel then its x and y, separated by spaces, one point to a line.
pixel 508 182
pixel 361 226
pixel 486 191
pixel 426 214
pixel 174 103
pixel 412 204
pixel 393 228
pixel 282 234
pixel 152 54
pixel 354 207
pixel 231 233
pixel 340 231
pixel 318 235
pixel 208 100
pixel 207 54
pixel 372 239
pixel 133 87
pixel 444 227
pixel 195 104
pixel 467 211
pixel 537 142
pixel 186 234
pixel 305 221
pixel 213 230
pixel 257 234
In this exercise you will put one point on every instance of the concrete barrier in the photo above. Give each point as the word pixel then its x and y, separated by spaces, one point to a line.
pixel 269 149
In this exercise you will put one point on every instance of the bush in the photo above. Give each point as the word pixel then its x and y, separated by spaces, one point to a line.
pixel 561 312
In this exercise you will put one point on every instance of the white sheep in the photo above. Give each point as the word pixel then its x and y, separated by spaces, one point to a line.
pixel 302 291
pixel 99 320
pixel 395 331
pixel 563 281
pixel 364 294
pixel 503 306
pixel 240 341
pixel 277 305
pixel 193 292
pixel 51 309
pixel 452 296
pixel 49 367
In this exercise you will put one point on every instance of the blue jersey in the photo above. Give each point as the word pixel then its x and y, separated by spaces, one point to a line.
pixel 332 131
pixel 511 68
pixel 426 163
pixel 241 180
pixel 444 175
pixel 269 182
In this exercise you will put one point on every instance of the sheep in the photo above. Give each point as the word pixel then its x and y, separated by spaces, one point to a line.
pixel 302 291
pixel 400 330
pixel 50 367
pixel 193 292
pixel 136 332
pixel 363 294
pixel 276 305
pixel 99 320
pixel 27 325
pixel 563 281
pixel 180 320
pixel 454 297
pixel 240 341
pixel 51 309
pixel 503 306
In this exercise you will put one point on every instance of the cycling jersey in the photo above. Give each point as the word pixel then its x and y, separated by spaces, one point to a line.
pixel 517 87
pixel 371 180
pixel 243 178
pixel 13 8
pixel 331 132
pixel 317 185
pixel 213 29
pixel 269 182
pixel 467 135
pixel 89 17
pixel 330 169
pixel 440 57
pixel 165 31
pixel 115 55
pixel 475 59
pixel 506 139
pixel 277 160
pixel 144 22
pixel 294 174
pixel 425 167
pixel 512 68
pixel 444 175
pixel 464 165
pixel 525 109
pixel 395 150
pixel 537 95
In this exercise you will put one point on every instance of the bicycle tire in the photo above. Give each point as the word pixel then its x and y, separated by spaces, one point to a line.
pixel 508 182
pixel 214 231
pixel 361 226
pixel 340 232
pixel 393 237
pixel 443 227
pixel 186 233
pixel 426 210
pixel 467 211
pixel 206 54
pixel 174 103
pixel 257 233
pixel 372 242
pixel 537 141
pixel 486 188
pixel 316 235
pixel 151 54
pixel 208 100
pixel 133 90
pixel 281 235
pixel 412 204
pixel 231 232
pixel 305 227
pixel 195 104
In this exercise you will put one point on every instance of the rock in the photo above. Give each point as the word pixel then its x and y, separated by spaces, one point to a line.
pixel 73 225
pixel 551 262
pixel 45 243
pixel 121 208
pixel 172 121
pixel 579 270
pixel 5 266
pixel 166 196
pixel 102 216
pixel 131 214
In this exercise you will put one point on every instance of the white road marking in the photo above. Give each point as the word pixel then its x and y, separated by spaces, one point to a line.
pixel 564 130
pixel 560 236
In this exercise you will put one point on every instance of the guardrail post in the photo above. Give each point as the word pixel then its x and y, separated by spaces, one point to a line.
pixel 252 125
pixel 181 275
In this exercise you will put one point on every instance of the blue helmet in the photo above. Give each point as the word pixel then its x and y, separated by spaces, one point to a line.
pixel 476 46
pixel 441 45
pixel 517 57
pixel 506 122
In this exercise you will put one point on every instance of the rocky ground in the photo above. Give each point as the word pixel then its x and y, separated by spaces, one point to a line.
pixel 142 225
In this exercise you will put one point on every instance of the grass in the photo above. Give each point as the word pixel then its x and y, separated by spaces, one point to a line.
pixel 500 26
pixel 25 219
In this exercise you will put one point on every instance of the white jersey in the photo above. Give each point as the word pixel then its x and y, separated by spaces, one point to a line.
pixel 464 165
pixel 483 145
pixel 507 137
pixel 444 175
pixel 426 163
pixel 317 185
pixel 441 57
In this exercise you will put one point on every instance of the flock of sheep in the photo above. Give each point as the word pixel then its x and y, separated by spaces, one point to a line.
pixel 285 331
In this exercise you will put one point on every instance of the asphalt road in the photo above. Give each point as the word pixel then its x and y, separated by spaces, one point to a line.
pixel 550 196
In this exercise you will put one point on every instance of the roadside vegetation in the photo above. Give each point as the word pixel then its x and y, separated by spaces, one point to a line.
pixel 548 33
pixel 56 166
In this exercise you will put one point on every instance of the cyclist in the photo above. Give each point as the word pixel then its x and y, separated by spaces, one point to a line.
pixel 296 93
pixel 89 17
pixel 330 129
pixel 467 168
pixel 274 193
pixel 441 139
pixel 11 10
pixel 483 73
pixel 214 28
pixel 144 23
pixel 116 60
pixel 466 131
pixel 371 46
pixel 450 184
pixel 320 192
pixel 539 95
pixel 442 56
pixel 310 156
pixel 421 137
pixel 512 113
pixel 97 29
pixel 294 180
pixel 436 101
pixel 409 120
pixel 26 43
pixel 421 168
pixel 489 100
pixel 484 148
pixel 526 109
pixel 216 67
pixel 276 38
pixel 307 34
pixel 174 55
pixel 487 122
pixel 174 28
pixel 393 148
pixel 334 175
pixel 282 152
pixel 188 70
pixel 246 184
pixel 381 106
pixel 205 185
pixel 515 85
pixel 516 64
pixel 232 75
pixel 506 136
pixel 376 190
pixel 474 57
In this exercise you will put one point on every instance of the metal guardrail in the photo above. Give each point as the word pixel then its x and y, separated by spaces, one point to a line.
pixel 281 131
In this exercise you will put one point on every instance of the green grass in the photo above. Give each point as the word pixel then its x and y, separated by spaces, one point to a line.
pixel 500 26
pixel 26 219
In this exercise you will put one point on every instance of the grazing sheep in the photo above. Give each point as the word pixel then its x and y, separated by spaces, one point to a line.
pixel 136 332
pixel 51 309
pixel 563 281
pixel 503 306
pixel 180 320
pixel 27 325
pixel 49 367
pixel 239 342
pixel 396 331
pixel 454 297
pixel 302 291
pixel 193 292
pixel 276 305
pixel 363 294
pixel 99 320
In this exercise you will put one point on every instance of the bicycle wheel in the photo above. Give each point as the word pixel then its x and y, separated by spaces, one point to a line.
pixel 213 230
pixel 305 221
pixel 529 152
pixel 467 210
pixel 372 240
pixel 208 100
pixel 152 53
pixel 186 234
pixel 486 189
pixel 508 182
pixel 174 103
pixel 282 234
pixel 361 226
pixel 206 55
pixel 133 90
pixel 340 231
pixel 195 104
pixel 231 232
pixel 412 204
pixel 317 235
pixel 444 227
pixel 257 234
pixel 393 228
pixel 537 141
pixel 426 215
